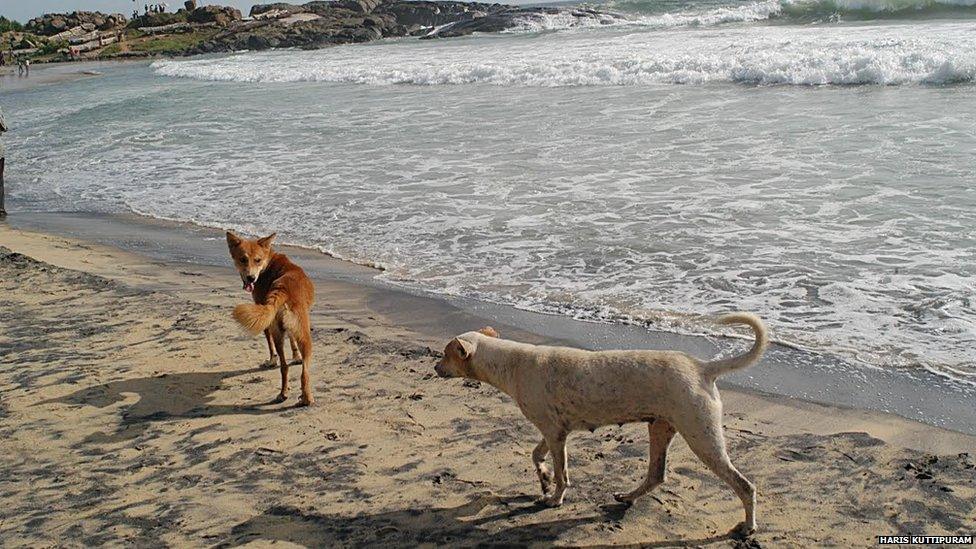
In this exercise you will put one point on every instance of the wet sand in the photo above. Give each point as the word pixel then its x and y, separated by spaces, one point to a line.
pixel 135 412
pixel 46 74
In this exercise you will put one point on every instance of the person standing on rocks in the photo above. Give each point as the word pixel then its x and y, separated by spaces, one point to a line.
pixel 3 128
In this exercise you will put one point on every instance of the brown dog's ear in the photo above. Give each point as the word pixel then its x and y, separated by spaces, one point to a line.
pixel 488 331
pixel 266 241
pixel 233 240
pixel 465 348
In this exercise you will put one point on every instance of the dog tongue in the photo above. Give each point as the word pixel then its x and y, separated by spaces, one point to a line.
pixel 248 287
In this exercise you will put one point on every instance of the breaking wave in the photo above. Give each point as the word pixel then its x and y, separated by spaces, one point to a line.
pixel 886 55
pixel 653 12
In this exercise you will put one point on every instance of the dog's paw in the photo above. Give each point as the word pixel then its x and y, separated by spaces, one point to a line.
pixel 624 497
pixel 270 363
pixel 295 361
pixel 280 398
pixel 550 501
pixel 304 402
pixel 742 530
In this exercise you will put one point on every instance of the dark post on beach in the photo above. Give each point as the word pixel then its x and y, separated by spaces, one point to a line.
pixel 3 129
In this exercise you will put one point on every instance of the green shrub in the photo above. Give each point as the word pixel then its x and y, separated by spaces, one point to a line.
pixel 111 49
pixel 7 25
pixel 52 46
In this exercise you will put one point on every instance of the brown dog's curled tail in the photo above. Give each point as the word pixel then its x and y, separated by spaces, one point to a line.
pixel 718 367
pixel 255 318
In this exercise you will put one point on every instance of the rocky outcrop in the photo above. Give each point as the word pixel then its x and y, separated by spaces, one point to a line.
pixel 221 16
pixel 312 25
pixel 55 23
pixel 338 27
pixel 319 24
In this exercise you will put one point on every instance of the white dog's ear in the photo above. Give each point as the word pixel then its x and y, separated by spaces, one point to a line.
pixel 465 348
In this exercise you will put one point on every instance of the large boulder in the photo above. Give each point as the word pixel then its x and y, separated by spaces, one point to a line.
pixel 222 16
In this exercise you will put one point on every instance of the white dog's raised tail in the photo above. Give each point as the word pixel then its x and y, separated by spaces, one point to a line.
pixel 716 368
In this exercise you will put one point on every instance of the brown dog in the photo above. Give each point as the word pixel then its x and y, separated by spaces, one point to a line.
pixel 560 389
pixel 283 295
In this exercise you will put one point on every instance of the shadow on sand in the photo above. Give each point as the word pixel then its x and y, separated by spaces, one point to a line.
pixel 453 526
pixel 403 528
pixel 165 397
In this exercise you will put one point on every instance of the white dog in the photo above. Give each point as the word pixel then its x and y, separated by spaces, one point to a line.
pixel 560 389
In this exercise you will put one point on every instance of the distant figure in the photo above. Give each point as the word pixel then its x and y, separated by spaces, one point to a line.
pixel 3 128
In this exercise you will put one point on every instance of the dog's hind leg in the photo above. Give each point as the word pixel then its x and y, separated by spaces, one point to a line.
pixel 271 350
pixel 296 357
pixel 278 335
pixel 707 441
pixel 659 434
pixel 557 447
pixel 304 341
pixel 541 469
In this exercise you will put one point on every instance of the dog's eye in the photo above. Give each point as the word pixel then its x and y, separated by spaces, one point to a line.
pixel 243 260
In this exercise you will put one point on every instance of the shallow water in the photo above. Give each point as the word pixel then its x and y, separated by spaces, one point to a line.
pixel 813 164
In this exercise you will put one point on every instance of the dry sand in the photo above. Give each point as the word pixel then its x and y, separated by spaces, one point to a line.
pixel 133 412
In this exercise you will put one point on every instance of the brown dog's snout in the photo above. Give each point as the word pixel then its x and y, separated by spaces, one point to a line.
pixel 439 370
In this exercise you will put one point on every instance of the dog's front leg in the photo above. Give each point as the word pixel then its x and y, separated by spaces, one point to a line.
pixel 557 447
pixel 541 469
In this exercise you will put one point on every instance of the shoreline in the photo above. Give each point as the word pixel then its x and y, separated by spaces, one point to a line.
pixel 785 373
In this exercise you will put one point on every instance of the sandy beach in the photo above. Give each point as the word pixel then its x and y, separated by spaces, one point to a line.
pixel 135 412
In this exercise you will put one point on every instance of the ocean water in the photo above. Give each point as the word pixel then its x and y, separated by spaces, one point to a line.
pixel 813 162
